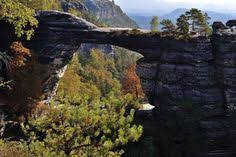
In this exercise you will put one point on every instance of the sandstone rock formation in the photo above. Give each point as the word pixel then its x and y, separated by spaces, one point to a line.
pixel 106 12
pixel 202 71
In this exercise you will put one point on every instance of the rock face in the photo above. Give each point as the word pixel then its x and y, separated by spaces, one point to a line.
pixel 224 44
pixel 202 71
pixel 231 23
pixel 184 71
pixel 110 13
pixel 106 11
pixel 66 5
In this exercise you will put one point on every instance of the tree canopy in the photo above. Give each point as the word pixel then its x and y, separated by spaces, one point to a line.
pixel 192 22
pixel 168 26
pixel 88 117
pixel 183 25
pixel 198 20
pixel 18 15
pixel 42 4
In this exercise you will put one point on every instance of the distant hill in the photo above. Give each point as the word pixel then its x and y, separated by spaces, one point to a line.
pixel 106 11
pixel 215 16
pixel 143 21
pixel 110 13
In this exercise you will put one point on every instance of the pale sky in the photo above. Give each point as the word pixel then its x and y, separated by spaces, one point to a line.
pixel 212 5
pixel 219 3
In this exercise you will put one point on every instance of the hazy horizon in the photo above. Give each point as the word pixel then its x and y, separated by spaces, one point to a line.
pixel 161 7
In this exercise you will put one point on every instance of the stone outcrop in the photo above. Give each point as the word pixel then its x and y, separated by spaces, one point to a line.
pixel 59 36
pixel 79 6
pixel 224 51
pixel 109 13
pixel 202 71
pixel 231 23
pixel 106 12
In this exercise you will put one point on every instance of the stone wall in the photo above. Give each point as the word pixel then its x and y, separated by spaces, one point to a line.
pixel 202 72
pixel 224 42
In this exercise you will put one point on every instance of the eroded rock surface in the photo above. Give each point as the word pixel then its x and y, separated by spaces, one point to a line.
pixel 204 72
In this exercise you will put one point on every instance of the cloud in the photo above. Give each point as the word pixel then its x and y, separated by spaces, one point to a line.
pixel 223 5
pixel 220 3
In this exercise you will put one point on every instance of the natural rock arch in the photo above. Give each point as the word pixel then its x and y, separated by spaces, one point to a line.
pixel 203 70
pixel 60 35
pixel 183 69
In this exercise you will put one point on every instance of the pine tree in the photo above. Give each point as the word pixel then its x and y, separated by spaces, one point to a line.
pixel 194 15
pixel 98 129
pixel 154 24
pixel 168 27
pixel 183 26
pixel 42 4
pixel 205 25
pixel 198 21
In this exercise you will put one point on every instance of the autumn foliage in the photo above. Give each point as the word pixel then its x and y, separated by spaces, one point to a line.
pixel 19 54
pixel 26 84
pixel 131 83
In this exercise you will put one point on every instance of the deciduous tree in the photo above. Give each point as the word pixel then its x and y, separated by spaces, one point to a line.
pixel 131 83
pixel 42 4
pixel 19 16
pixel 100 69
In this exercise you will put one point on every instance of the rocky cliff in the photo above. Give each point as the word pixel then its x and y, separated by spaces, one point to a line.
pixel 202 72
pixel 106 11
pixel 110 13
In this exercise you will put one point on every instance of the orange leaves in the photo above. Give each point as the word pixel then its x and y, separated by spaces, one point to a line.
pixel 26 84
pixel 19 53
pixel 131 83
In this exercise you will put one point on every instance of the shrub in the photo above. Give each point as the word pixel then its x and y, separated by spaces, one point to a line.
pixel 97 129
pixel 13 149
pixel 19 54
